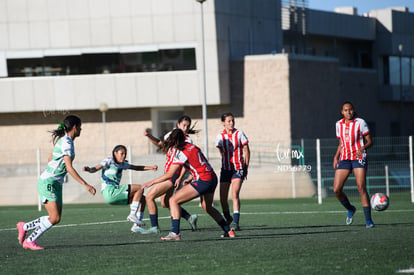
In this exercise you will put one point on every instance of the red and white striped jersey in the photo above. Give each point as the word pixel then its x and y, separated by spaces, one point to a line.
pixel 352 137
pixel 231 147
pixel 171 152
pixel 195 161
pixel 170 157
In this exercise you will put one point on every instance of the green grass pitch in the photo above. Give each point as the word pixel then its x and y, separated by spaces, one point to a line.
pixel 283 236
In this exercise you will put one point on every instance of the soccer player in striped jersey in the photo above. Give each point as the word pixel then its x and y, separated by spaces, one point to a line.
pixel 51 180
pixel 115 193
pixel 354 140
pixel 233 145
pixel 202 182
pixel 166 189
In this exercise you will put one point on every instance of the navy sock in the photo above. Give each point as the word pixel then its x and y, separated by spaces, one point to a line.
pixel 367 213
pixel 236 217
pixel 185 214
pixel 175 226
pixel 154 220
pixel 223 224
pixel 347 204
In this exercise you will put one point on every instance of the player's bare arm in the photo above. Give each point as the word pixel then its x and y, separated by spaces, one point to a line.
pixel 75 175
pixel 170 173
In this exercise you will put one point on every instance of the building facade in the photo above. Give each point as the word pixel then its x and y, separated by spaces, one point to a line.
pixel 125 66
pixel 141 59
pixel 365 59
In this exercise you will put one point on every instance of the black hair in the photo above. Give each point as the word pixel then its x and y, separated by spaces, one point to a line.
pixel 347 102
pixel 223 116
pixel 116 149
pixel 190 130
pixel 65 127
pixel 176 139
pixel 350 103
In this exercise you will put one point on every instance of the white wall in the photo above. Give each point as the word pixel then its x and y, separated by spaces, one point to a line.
pixel 33 28
pixel 83 92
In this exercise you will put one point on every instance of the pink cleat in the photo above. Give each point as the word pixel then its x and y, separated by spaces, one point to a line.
pixel 172 237
pixel 22 232
pixel 229 234
pixel 31 245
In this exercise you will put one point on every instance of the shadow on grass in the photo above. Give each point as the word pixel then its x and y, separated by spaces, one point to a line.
pixel 207 234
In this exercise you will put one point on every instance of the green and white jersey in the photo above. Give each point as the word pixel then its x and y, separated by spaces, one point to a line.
pixel 56 168
pixel 112 172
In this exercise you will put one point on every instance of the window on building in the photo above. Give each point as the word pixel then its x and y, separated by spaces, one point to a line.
pixel 168 120
pixel 398 70
pixel 98 63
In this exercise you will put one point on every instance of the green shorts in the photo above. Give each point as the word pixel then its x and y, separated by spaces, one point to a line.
pixel 117 195
pixel 50 190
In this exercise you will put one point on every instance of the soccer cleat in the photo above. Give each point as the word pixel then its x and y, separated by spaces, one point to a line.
pixel 31 245
pixel 171 237
pixel 234 226
pixel 193 222
pixel 22 232
pixel 134 219
pixel 140 223
pixel 137 229
pixel 229 234
pixel 153 229
pixel 369 224
pixel 350 216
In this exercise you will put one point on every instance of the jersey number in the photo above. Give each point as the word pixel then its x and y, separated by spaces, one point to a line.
pixel 203 161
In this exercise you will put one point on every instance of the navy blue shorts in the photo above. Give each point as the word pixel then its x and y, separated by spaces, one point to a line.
pixel 351 164
pixel 228 175
pixel 174 178
pixel 205 187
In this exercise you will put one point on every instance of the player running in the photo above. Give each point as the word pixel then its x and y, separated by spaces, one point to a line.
pixel 50 182
pixel 203 182
pixel 166 189
pixel 354 138
pixel 235 155
pixel 115 193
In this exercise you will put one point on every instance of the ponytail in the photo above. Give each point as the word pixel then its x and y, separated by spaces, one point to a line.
pixel 64 127
pixel 176 139
pixel 191 129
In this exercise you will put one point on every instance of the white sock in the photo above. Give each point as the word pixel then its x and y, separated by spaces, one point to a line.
pixel 134 207
pixel 43 226
pixel 31 225
pixel 140 215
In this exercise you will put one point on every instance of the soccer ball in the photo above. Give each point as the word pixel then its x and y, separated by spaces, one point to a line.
pixel 380 202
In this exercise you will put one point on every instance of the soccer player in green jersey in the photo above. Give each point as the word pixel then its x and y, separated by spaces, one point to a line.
pixel 50 182
pixel 115 193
